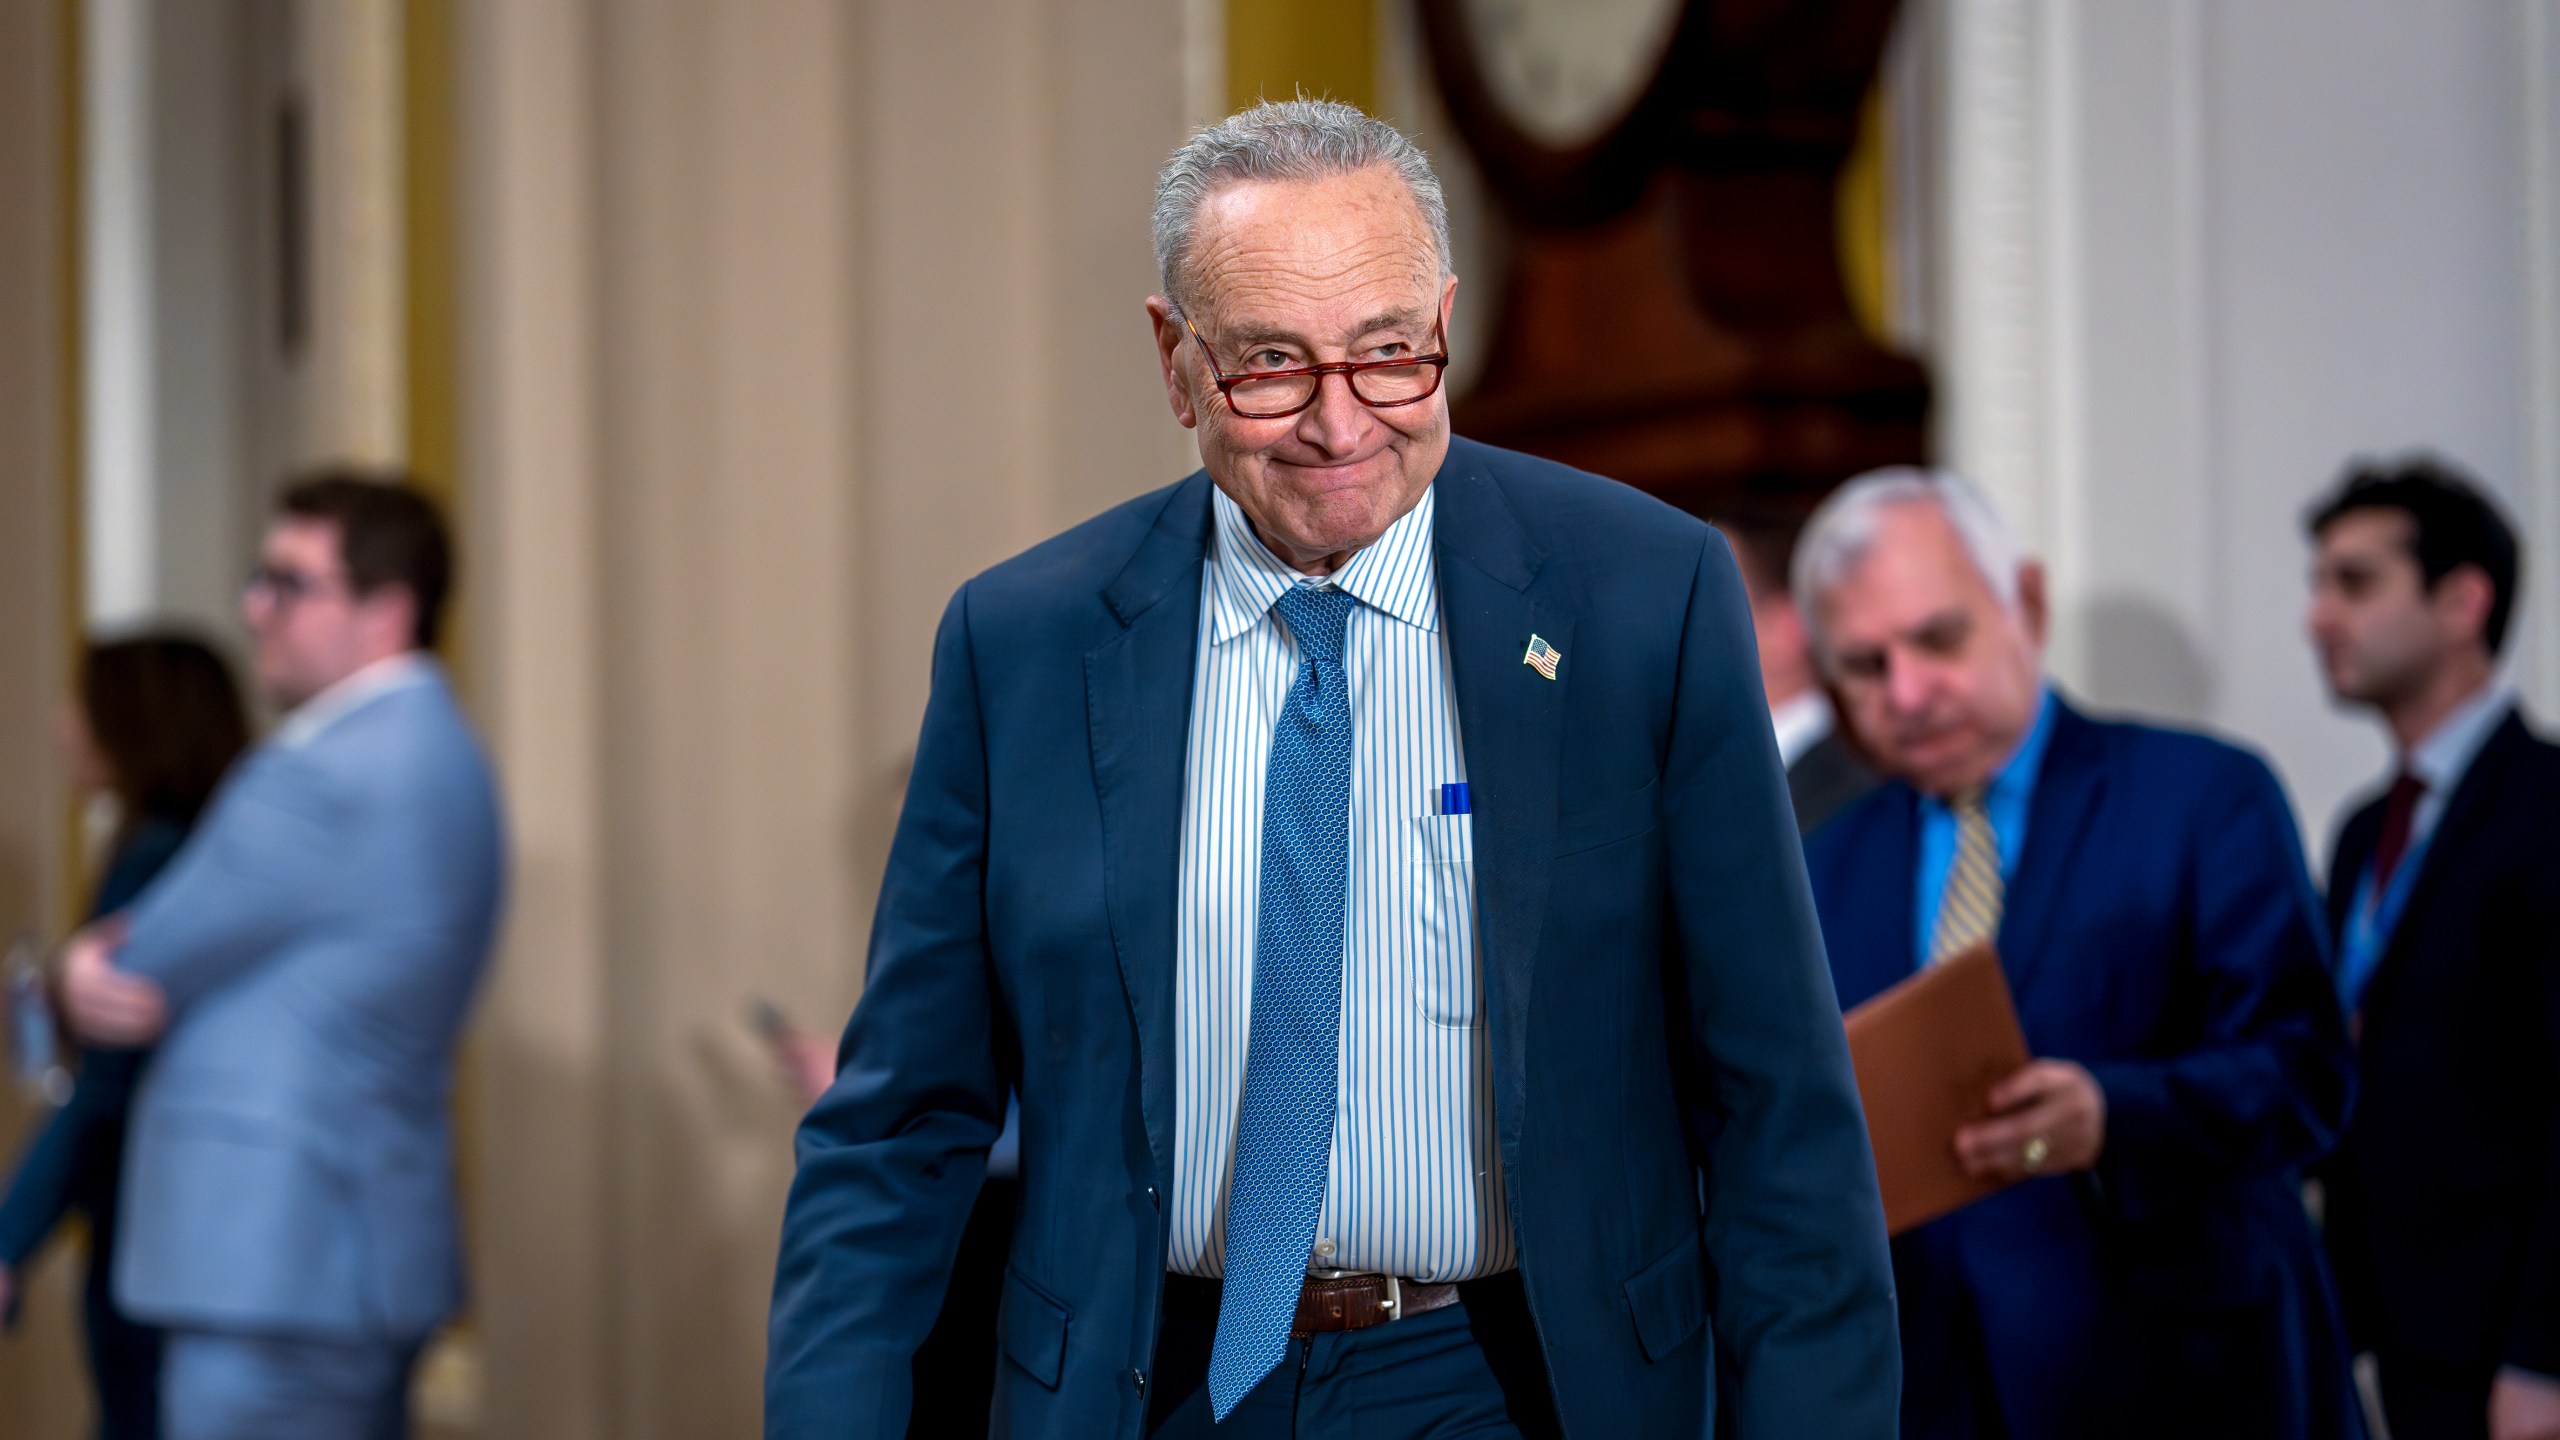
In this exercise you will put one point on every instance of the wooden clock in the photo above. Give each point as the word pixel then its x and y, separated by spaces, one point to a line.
pixel 1673 314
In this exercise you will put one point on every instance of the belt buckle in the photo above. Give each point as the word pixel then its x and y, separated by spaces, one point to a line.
pixel 1393 1304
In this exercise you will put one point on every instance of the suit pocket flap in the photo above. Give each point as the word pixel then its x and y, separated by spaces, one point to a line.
pixel 1620 819
pixel 1669 1299
pixel 1035 1329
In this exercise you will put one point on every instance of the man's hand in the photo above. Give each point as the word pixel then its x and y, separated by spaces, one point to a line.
pixel 808 1063
pixel 2048 1119
pixel 104 1005
pixel 2524 1406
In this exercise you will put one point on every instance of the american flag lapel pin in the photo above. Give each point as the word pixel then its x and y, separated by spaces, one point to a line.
pixel 1542 657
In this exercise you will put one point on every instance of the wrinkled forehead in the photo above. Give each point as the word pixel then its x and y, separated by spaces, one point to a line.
pixel 1333 250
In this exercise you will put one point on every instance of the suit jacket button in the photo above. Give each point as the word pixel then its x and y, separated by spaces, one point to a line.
pixel 1154 1199
pixel 1139 1379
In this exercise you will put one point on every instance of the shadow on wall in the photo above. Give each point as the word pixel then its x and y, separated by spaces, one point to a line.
pixel 2140 658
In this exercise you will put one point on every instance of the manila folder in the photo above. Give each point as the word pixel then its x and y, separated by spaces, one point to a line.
pixel 1927 1053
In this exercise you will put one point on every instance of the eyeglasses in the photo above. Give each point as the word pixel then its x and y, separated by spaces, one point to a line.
pixel 1277 394
pixel 283 586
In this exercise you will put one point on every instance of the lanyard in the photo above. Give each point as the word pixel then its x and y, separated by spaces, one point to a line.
pixel 2371 921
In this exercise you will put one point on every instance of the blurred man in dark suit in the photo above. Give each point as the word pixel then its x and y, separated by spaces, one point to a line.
pixel 2444 894
pixel 1824 772
pixel 2150 1271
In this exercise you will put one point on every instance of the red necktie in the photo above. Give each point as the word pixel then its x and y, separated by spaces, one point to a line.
pixel 2397 812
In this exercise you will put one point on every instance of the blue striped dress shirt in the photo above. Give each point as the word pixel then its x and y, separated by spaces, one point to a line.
pixel 1414 1182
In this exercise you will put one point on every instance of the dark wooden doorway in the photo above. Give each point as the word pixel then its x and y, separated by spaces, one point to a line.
pixel 1674 314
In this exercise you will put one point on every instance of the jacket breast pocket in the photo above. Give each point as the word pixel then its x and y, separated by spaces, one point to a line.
pixel 1619 818
pixel 1446 984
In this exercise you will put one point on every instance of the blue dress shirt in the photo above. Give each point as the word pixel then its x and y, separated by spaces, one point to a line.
pixel 2011 798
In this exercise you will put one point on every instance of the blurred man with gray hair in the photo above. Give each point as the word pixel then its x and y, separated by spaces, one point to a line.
pixel 1368 861
pixel 2149 1270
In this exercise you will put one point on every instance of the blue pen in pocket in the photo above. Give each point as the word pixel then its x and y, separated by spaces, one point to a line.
pixel 1453 799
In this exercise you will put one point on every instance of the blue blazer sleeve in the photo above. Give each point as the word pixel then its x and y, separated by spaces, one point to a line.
pixel 2267 1089
pixel 70 1147
pixel 1806 1332
pixel 259 873
pixel 41 1189
pixel 49 1176
pixel 891 1158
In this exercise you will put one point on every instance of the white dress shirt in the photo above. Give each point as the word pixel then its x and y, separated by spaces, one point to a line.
pixel 382 677
pixel 1801 724
pixel 1414 1185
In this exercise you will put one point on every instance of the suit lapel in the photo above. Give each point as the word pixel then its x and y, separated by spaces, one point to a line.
pixel 1494 594
pixel 1138 709
pixel 2464 812
pixel 2356 844
pixel 1867 928
pixel 2066 796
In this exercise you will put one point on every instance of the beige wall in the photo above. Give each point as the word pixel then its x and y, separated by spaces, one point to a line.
pixel 780 321
pixel 40 1390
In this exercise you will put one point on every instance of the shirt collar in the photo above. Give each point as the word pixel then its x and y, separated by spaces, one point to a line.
pixel 2448 750
pixel 1801 723
pixel 2026 763
pixel 396 672
pixel 1392 574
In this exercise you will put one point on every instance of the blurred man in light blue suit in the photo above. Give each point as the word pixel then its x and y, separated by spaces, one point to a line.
pixel 307 963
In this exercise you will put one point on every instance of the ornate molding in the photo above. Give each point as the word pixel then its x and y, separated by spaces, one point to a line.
pixel 1995 356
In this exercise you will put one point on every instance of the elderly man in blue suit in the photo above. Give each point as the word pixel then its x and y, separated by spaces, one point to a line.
pixel 288 1207
pixel 1368 861
pixel 2151 1272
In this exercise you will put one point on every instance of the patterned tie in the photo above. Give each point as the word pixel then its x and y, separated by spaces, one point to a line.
pixel 1284 1124
pixel 1969 911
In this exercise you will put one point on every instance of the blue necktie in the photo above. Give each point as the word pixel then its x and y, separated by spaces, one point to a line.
pixel 1284 1125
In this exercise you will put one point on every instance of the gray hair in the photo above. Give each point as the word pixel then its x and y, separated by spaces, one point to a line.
pixel 1284 140
pixel 1844 529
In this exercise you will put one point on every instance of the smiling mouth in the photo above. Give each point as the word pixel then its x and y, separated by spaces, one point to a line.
pixel 1342 471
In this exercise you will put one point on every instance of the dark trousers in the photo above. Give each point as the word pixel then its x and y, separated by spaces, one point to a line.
pixel 1472 1369
pixel 124 1360
pixel 2426 1402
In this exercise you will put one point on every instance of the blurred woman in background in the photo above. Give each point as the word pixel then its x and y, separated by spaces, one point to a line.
pixel 158 721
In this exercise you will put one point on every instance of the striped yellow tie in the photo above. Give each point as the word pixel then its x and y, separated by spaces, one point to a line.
pixel 1969 911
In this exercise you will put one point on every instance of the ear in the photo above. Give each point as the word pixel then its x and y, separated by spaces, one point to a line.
pixel 2462 600
pixel 390 617
pixel 1169 335
pixel 1448 304
pixel 2031 600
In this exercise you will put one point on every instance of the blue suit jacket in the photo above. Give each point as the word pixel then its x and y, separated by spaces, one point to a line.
pixel 2162 931
pixel 290 1166
pixel 1653 975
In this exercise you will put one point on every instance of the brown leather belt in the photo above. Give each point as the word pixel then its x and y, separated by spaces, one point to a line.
pixel 1356 1302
